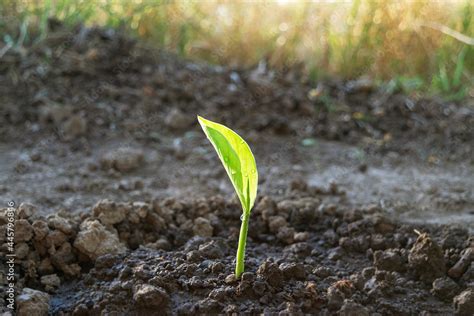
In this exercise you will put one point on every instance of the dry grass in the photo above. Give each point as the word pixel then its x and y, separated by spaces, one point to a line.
pixel 419 44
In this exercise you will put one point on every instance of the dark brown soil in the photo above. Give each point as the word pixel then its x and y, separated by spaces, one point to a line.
pixel 366 200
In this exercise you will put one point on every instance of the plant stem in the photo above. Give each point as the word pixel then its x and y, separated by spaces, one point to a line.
pixel 239 267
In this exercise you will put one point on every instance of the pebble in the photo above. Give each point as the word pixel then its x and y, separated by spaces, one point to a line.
pixel 32 302
pixel 293 270
pixel 390 260
pixel 335 298
pixel 123 159
pixel 335 254
pixel 50 282
pixel 26 210
pixel 60 223
pixel 275 223
pixel 322 272
pixel 21 250
pixel 202 227
pixel 463 264
pixel 108 212
pixel 95 240
pixel 464 303
pixel 271 273
pixel 230 279
pixel 150 296
pixel 247 277
pixel 23 230
pixel 426 259
pixel 177 120
pixel 351 308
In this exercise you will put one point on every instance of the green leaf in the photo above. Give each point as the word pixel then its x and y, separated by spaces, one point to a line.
pixel 237 159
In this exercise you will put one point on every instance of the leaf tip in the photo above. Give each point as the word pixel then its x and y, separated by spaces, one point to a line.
pixel 201 119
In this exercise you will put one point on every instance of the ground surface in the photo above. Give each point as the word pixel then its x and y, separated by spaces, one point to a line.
pixel 347 171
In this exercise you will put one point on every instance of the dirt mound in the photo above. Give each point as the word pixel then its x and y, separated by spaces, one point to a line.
pixel 303 257
pixel 92 82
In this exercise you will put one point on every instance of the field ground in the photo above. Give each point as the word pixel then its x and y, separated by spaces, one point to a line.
pixel 360 188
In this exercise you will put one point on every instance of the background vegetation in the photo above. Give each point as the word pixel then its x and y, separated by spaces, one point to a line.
pixel 412 45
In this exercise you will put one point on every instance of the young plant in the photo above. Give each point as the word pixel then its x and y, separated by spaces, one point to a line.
pixel 241 168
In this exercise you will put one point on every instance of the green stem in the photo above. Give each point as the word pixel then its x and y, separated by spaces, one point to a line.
pixel 239 267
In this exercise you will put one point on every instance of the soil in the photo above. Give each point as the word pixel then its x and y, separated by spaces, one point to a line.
pixel 365 204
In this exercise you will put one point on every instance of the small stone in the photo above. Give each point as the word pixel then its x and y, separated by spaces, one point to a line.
pixel 32 302
pixel 161 243
pixel 41 229
pixel 464 303
pixel 351 308
pixel 303 236
pixel 286 235
pixel 194 256
pixel 230 279
pixel 247 277
pixel 389 260
pixel 56 238
pixel 445 288
pixel 358 280
pixel 202 227
pixel 335 298
pixel 26 210
pixel 123 159
pixel 335 254
pixel 338 292
pixel 45 267
pixel 463 264
pixel 426 259
pixel 259 287
pixel 322 272
pixel 217 267
pixel 266 207
pixel 275 223
pixel 141 209
pixel 50 282
pixel 211 250
pixel 368 272
pixel 108 212
pixel 383 225
pixel 271 273
pixel 150 296
pixel 60 223
pixel 95 240
pixel 23 230
pixel 21 250
pixel 468 276
pixel 177 120
pixel 293 270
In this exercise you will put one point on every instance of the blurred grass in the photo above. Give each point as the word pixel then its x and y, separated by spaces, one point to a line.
pixel 412 45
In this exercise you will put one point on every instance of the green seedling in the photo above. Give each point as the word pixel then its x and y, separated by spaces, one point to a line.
pixel 241 168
